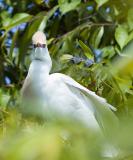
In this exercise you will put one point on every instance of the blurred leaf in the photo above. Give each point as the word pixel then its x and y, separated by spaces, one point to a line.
pixel 5 18
pixel 121 36
pixel 85 33
pixel 50 41
pixel 130 37
pixel 96 37
pixel 16 20
pixel 99 35
pixel 108 51
pixel 125 84
pixel 87 51
pixel 38 1
pixel 46 17
pixel 66 57
pixel 66 5
pixel 4 15
pixel 124 64
pixel 130 19
pixel 13 44
pixel 68 45
pixel 4 98
pixel 101 2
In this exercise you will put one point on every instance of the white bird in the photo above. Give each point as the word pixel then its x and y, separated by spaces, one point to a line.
pixel 47 95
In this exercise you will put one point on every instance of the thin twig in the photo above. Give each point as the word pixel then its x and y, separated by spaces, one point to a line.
pixel 103 24
pixel 85 25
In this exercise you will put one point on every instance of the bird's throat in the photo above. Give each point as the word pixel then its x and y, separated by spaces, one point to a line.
pixel 39 71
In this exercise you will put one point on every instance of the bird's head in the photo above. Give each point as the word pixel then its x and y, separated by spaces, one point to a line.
pixel 40 47
pixel 39 39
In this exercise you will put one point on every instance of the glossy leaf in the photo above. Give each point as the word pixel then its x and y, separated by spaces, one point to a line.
pixel 71 5
pixel 96 37
pixel 16 20
pixel 121 36
pixel 99 36
pixel 108 51
pixel 66 57
pixel 101 2
pixel 87 51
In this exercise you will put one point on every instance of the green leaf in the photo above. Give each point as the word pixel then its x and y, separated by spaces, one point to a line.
pixel 99 36
pixel 46 17
pixel 87 51
pixel 4 98
pixel 39 2
pixel 67 5
pixel 130 19
pixel 124 64
pixel 96 37
pixel 66 57
pixel 108 51
pixel 130 37
pixel 125 84
pixel 101 2
pixel 14 39
pixel 121 36
pixel 5 18
pixel 16 20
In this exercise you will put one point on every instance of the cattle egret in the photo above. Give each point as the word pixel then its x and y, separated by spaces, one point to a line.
pixel 48 94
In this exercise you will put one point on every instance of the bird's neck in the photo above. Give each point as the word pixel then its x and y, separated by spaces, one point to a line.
pixel 39 71
pixel 41 62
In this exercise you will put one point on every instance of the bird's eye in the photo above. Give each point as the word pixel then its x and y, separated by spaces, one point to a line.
pixel 39 45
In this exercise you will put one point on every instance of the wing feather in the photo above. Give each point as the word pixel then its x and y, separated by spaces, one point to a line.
pixel 102 110
pixel 71 82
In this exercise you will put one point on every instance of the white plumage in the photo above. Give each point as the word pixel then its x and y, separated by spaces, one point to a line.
pixel 55 94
